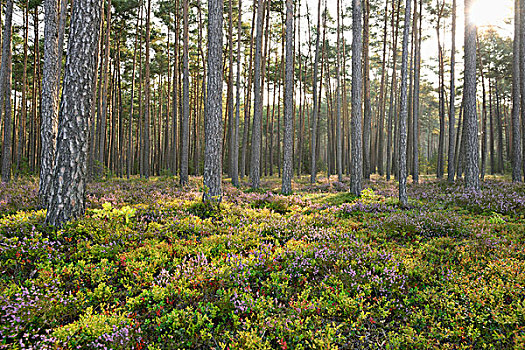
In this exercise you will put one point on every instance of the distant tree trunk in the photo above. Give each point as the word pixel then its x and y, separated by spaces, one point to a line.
pixel 316 97
pixel 501 146
pixel 213 117
pixel 417 74
pixel 452 111
pixel 132 99
pixel 338 130
pixel 235 154
pixel 255 167
pixel 175 92
pixel 67 199
pixel 5 93
pixel 248 99
pixel 484 122
pixel 185 98
pixel 288 102
pixel 382 100
pixel 441 144
pixel 356 177
pixel 104 109
pixel 471 119
pixel 367 121
pixel 23 112
pixel 147 83
pixel 393 89
pixel 403 198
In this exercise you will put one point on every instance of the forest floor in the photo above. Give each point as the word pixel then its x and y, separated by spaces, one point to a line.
pixel 151 267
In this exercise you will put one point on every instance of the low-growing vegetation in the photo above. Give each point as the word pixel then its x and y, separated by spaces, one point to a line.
pixel 151 267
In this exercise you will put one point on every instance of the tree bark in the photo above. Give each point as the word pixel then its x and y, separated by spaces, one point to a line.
pixel 316 97
pixel 213 117
pixel 471 119
pixel 452 110
pixel 185 98
pixel 367 120
pixel 5 91
pixel 356 176
pixel 288 101
pixel 235 153
pixel 403 198
pixel 67 199
pixel 255 166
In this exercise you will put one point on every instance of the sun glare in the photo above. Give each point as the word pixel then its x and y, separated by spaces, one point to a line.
pixel 486 13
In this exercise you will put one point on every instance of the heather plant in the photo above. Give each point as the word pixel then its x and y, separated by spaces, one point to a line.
pixel 151 267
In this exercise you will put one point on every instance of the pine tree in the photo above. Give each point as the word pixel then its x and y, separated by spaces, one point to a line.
pixel 67 200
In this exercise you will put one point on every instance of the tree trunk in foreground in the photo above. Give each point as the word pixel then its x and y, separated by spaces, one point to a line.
pixel 67 199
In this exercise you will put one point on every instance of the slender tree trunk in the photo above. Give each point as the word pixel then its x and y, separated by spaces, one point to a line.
pixel 367 121
pixel 393 89
pixel 403 198
pixel 185 98
pixel 356 177
pixel 248 99
pixel 23 111
pixel 471 119
pixel 5 91
pixel 452 111
pixel 132 104
pixel 213 117
pixel 381 115
pixel 235 153
pixel 417 73
pixel 338 130
pixel 147 83
pixel 288 101
pixel 316 98
pixel 67 199
pixel 255 167
pixel 104 110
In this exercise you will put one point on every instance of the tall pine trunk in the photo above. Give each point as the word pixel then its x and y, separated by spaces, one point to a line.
pixel 213 117
pixel 5 91
pixel 403 198
pixel 288 101
pixel 471 118
pixel 67 199
pixel 356 176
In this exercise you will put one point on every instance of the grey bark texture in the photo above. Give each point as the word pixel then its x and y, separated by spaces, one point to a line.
pixel 451 171
pixel 367 120
pixel 5 91
pixel 67 200
pixel 147 107
pixel 403 198
pixel 49 109
pixel 213 117
pixel 470 117
pixel 255 164
pixel 288 101
pixel 356 176
pixel 338 129
pixel 516 77
pixel 417 74
pixel 185 100
pixel 522 78
pixel 235 154
pixel 315 111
